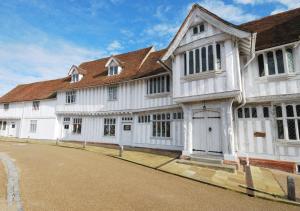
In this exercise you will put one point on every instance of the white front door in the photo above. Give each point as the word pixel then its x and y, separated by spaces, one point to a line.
pixel 206 132
pixel 126 133
pixel 12 131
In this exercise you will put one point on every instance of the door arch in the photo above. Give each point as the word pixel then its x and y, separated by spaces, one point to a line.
pixel 207 131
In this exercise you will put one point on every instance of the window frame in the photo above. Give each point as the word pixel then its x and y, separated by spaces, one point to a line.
pixel 112 93
pixel 70 97
pixel 77 125
pixel 200 29
pixel 158 85
pixel 113 70
pixel 110 123
pixel 36 105
pixel 159 123
pixel 33 126
pixel 6 106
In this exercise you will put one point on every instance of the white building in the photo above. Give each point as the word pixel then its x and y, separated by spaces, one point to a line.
pixel 218 88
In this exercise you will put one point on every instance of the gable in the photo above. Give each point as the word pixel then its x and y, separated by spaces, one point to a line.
pixel 215 25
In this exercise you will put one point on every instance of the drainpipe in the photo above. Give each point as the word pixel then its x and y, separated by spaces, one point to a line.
pixel 242 80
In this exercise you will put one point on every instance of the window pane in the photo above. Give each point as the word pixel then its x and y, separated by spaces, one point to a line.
pixel 168 129
pixel 218 49
pixel 163 84
pixel 191 62
pixel 261 66
pixel 280 132
pixel 240 113
pixel 289 111
pixel 158 132
pixel 151 82
pixel 210 58
pixel 154 129
pixel 292 129
pixel 168 83
pixel 197 55
pixel 278 111
pixel 266 112
pixel 298 127
pixel 254 112
pixel 112 130
pixel 163 129
pixel 185 67
pixel 203 58
pixel 290 59
pixel 280 65
pixel 247 112
pixel 298 110
pixel 202 28
pixel 154 85
pixel 158 85
pixel 271 64
pixel 195 30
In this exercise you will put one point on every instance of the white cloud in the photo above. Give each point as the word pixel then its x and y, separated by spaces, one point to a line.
pixel 229 12
pixel 161 11
pixel 161 29
pixel 29 62
pixel 114 46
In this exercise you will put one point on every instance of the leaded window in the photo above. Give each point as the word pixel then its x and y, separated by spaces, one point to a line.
pixel 33 126
pixel 112 93
pixel 158 85
pixel 109 127
pixel 161 125
pixel 77 125
pixel 70 97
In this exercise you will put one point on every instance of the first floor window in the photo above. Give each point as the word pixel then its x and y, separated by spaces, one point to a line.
pixel 144 118
pixel 159 84
pixel 113 70
pixel 109 127
pixel 112 93
pixel 70 97
pixel 4 125
pixel 288 116
pixel 266 112
pixel 161 125
pixel 6 106
pixel 77 124
pixel 33 126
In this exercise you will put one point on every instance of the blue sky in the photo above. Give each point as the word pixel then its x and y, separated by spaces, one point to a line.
pixel 41 39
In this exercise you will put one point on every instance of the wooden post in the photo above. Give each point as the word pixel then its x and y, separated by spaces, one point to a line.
pixel 84 144
pixel 121 151
pixel 291 188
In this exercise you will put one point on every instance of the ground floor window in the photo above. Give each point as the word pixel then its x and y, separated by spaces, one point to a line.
pixel 288 121
pixel 67 123
pixel 3 125
pixel 33 126
pixel 161 125
pixel 247 112
pixel 77 125
pixel 109 127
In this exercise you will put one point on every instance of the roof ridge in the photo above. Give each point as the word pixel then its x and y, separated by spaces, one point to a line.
pixel 43 81
pixel 269 16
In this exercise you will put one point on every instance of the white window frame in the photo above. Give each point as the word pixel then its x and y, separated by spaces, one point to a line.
pixel 110 123
pixel 77 126
pixel 159 123
pixel 285 119
pixel 161 87
pixel 6 106
pixel 74 77
pixel 71 97
pixel 113 70
pixel 218 64
pixel 198 28
pixel 287 69
pixel 112 93
pixel 36 105
pixel 33 126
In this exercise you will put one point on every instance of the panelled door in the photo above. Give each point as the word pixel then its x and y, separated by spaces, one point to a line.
pixel 12 131
pixel 207 131
pixel 127 123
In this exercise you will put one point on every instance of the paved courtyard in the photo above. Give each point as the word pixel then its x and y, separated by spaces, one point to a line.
pixel 59 178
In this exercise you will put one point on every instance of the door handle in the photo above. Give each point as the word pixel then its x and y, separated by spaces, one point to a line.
pixel 209 129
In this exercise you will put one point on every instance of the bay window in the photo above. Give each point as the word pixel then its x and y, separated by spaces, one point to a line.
pixel 206 58
pixel 276 62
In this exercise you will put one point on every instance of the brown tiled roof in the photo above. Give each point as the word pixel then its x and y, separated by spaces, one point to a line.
pixel 34 91
pixel 135 64
pixel 276 29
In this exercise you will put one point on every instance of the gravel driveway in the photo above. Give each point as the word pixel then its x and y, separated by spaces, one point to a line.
pixel 57 178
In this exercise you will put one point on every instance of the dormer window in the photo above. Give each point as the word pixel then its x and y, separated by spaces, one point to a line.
pixel 198 29
pixel 113 70
pixel 74 77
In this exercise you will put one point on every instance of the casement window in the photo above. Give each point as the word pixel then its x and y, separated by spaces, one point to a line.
pixel 33 126
pixel 198 29
pixel 161 125
pixel 158 85
pixel 288 121
pixel 247 112
pixel 112 93
pixel 77 125
pixel 178 115
pixel 206 58
pixel 109 127
pixel 266 112
pixel 74 77
pixel 276 62
pixel 66 123
pixel 6 106
pixel 70 97
pixel 144 119
pixel 35 105
pixel 112 70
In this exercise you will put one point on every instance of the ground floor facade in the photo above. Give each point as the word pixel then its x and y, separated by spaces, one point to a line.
pixel 264 132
